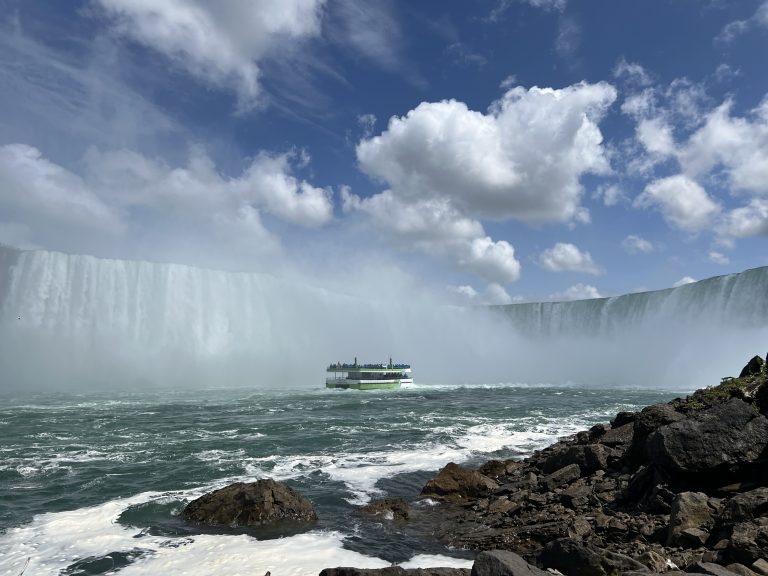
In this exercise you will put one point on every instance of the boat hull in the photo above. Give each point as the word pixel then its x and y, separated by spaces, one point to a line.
pixel 344 383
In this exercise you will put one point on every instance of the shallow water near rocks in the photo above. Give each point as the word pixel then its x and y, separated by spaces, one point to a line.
pixel 93 484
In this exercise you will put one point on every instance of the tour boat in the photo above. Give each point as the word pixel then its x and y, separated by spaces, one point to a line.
pixel 368 376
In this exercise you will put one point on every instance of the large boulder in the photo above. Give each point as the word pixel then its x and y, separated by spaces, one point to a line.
pixel 503 563
pixel 713 446
pixel 755 366
pixel 749 542
pixel 689 510
pixel 572 557
pixel 589 458
pixel 261 503
pixel 746 506
pixel 647 421
pixel 455 482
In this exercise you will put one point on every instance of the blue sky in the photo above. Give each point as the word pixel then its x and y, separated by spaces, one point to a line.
pixel 493 151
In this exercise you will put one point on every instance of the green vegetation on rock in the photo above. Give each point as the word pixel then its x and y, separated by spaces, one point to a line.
pixel 752 376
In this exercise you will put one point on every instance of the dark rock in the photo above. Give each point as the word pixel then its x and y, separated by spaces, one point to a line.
pixel 455 482
pixel 589 458
pixel 749 541
pixel 761 397
pixel 503 563
pixel 527 482
pixel 390 509
pixel 689 510
pixel 712 446
pixel 572 557
pixel 562 476
pixel 746 506
pixel 654 561
pixel 503 506
pixel 741 570
pixel 692 538
pixel 760 566
pixel 576 496
pixel 259 503
pixel 394 571
pixel 709 568
pixel 647 421
pixel 755 366
pixel 623 418
pixel 619 436
pixel 493 468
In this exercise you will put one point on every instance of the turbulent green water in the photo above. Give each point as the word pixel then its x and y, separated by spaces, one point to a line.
pixel 90 484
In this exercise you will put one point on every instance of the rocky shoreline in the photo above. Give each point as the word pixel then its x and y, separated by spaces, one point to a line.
pixel 681 486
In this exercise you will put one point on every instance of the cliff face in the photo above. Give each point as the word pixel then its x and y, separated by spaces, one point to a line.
pixel 678 485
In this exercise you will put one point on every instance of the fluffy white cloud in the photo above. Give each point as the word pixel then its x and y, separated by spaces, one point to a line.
pixel 220 44
pixel 123 191
pixel 683 281
pixel 656 136
pixel 523 159
pixel 434 227
pixel 33 189
pixel 739 145
pixel 564 257
pixel 447 166
pixel 634 244
pixel 749 220
pixel 577 292
pixel 493 294
pixel 683 203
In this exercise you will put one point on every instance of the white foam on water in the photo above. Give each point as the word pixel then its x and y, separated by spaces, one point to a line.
pixel 425 560
pixel 55 540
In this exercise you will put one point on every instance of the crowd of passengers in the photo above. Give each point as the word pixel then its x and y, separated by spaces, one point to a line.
pixel 345 366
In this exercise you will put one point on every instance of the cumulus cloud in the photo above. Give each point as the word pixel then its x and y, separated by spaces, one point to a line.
pixel 564 257
pixel 122 192
pixel 493 294
pixel 577 292
pixel 221 45
pixel 523 159
pixel 749 220
pixel 634 244
pixel 447 167
pixel 683 203
pixel 717 147
pixel 737 144
pixel 683 281
pixel 434 227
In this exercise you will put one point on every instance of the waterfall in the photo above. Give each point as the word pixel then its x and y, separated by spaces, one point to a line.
pixel 736 300
pixel 69 321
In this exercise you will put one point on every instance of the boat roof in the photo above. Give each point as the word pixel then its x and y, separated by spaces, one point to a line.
pixel 339 366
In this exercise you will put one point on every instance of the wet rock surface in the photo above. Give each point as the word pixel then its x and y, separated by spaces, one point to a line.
pixel 675 488
pixel 261 503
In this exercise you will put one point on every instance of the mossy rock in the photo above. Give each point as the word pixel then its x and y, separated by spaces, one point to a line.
pixel 752 378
